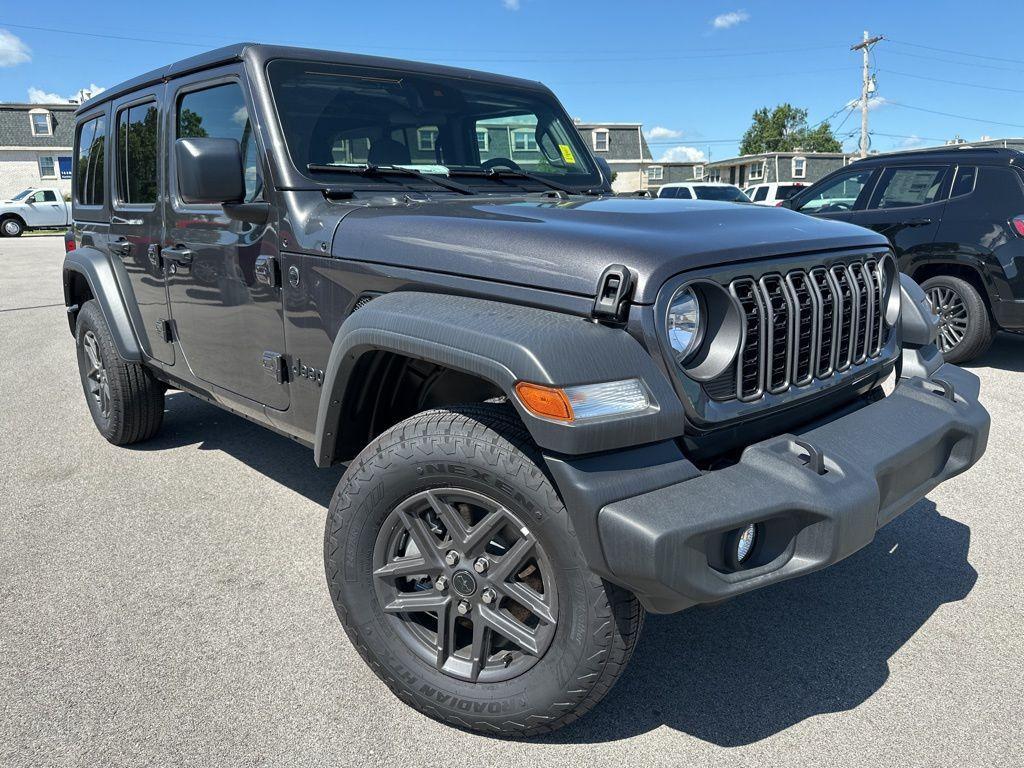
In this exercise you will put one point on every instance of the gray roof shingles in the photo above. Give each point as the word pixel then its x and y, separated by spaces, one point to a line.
pixel 15 130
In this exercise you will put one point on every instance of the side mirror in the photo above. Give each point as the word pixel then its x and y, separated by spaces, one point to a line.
pixel 209 171
pixel 606 170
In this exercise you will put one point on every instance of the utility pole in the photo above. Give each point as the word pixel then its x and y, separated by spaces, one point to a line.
pixel 865 47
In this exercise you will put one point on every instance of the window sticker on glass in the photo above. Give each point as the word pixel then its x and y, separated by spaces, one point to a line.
pixel 567 154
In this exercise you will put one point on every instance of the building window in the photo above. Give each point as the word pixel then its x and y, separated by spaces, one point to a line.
pixel 698 171
pixel 426 139
pixel 483 140
pixel 655 173
pixel 756 171
pixel 47 169
pixel 524 140
pixel 40 120
pixel 799 167
pixel 601 140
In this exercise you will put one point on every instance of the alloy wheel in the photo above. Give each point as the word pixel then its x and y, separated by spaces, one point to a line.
pixel 952 313
pixel 465 584
pixel 96 374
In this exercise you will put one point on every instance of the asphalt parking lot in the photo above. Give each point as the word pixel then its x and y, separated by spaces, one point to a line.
pixel 165 605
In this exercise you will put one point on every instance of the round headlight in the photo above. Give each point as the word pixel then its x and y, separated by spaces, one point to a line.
pixel 684 324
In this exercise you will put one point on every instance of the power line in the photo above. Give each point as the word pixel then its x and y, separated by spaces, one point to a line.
pixel 925 57
pixel 958 117
pixel 953 82
pixel 958 53
pixel 744 76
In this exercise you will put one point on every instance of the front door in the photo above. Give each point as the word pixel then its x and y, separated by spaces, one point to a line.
pixel 43 209
pixel 906 206
pixel 135 216
pixel 228 323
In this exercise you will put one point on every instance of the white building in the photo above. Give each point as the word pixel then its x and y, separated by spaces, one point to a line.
pixel 36 143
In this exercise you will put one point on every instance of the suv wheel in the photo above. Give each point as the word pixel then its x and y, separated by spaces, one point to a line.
pixel 11 227
pixel 126 401
pixel 965 330
pixel 456 573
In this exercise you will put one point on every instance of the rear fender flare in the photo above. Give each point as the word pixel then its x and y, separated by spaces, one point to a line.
pixel 94 267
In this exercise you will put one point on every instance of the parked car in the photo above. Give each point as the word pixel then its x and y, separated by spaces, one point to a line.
pixel 704 190
pixel 955 218
pixel 34 208
pixel 773 192
pixel 558 407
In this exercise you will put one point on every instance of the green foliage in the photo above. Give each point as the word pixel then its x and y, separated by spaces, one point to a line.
pixel 785 129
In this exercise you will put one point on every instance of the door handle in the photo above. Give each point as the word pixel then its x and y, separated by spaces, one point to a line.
pixel 917 222
pixel 182 256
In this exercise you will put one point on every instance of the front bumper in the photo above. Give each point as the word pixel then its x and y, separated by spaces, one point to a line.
pixel 667 544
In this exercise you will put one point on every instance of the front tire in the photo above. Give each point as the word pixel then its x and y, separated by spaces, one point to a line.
pixel 125 400
pixel 456 573
pixel 11 227
pixel 965 328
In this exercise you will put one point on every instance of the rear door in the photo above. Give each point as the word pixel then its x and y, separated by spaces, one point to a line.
pixel 228 322
pixel 135 214
pixel 906 205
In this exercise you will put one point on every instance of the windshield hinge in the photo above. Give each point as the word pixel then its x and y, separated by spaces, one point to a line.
pixel 613 292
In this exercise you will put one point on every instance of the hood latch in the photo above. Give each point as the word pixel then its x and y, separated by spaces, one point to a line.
pixel 613 293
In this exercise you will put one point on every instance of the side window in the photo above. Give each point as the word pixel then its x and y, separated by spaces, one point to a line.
pixel 840 194
pixel 761 194
pixel 963 184
pixel 220 113
pixel 137 154
pixel 905 187
pixel 685 193
pixel 668 192
pixel 48 196
pixel 89 181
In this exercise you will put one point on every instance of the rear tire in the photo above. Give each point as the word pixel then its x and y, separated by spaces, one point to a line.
pixel 472 470
pixel 965 328
pixel 11 227
pixel 125 400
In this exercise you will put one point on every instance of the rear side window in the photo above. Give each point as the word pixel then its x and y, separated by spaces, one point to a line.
pixel 220 113
pixel 137 154
pixel 761 194
pixel 786 191
pixel 89 181
pixel 963 184
pixel 905 187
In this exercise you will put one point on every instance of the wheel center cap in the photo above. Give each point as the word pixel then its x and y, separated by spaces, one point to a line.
pixel 464 583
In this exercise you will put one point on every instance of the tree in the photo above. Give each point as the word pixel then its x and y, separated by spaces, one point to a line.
pixel 785 129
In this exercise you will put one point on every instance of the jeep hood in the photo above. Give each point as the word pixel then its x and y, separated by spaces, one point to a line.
pixel 565 245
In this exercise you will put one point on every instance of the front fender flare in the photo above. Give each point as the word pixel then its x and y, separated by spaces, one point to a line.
pixel 94 267
pixel 503 344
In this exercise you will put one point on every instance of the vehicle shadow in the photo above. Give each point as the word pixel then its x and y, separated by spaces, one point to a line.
pixel 746 669
pixel 190 421
pixel 1006 352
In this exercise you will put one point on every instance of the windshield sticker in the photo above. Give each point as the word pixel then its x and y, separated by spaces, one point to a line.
pixel 567 154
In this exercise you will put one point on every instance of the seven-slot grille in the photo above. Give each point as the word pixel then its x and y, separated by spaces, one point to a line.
pixel 804 325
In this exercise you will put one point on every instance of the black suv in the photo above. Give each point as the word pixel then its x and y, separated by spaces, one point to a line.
pixel 558 408
pixel 955 218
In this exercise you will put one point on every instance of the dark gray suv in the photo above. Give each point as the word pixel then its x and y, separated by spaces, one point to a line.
pixel 558 408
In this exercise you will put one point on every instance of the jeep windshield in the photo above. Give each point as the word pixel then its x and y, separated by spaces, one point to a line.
pixel 495 137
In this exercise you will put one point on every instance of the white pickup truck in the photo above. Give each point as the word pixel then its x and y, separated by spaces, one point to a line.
pixel 34 208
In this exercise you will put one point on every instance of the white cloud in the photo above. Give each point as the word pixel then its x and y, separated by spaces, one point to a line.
pixel 511 5
pixel 39 96
pixel 911 142
pixel 13 50
pixel 683 154
pixel 874 102
pixel 660 132
pixel 731 19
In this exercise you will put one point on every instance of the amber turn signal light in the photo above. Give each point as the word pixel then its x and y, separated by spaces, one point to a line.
pixel 547 402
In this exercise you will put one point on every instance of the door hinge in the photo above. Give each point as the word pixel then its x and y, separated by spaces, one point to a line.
pixel 614 289
pixel 273 365
pixel 268 271
pixel 164 330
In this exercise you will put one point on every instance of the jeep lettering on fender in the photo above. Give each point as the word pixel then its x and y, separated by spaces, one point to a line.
pixel 560 409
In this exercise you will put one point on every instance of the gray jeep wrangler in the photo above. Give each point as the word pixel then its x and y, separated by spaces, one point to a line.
pixel 558 408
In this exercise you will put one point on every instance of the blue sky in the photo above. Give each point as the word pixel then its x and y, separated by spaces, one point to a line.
pixel 691 71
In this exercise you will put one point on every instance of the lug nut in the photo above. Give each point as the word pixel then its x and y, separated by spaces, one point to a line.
pixel 452 558
pixel 463 607
pixel 481 564
pixel 441 584
pixel 488 596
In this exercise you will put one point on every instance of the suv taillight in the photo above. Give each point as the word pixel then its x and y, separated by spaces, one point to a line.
pixel 1018 225
pixel 69 241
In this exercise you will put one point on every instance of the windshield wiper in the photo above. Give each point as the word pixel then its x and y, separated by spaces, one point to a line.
pixel 368 169
pixel 498 173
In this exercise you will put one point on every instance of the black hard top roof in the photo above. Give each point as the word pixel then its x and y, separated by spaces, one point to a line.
pixel 953 154
pixel 260 54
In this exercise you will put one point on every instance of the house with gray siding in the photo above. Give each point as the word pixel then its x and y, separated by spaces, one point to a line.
pixel 625 148
pixel 659 174
pixel 36 142
pixel 784 167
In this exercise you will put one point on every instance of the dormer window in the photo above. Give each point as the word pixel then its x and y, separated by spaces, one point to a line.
pixel 600 140
pixel 41 124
